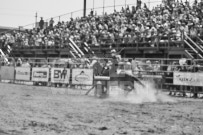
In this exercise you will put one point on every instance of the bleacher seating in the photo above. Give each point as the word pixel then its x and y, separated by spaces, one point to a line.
pixel 131 26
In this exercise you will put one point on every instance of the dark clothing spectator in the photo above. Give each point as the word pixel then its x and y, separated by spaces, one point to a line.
pixel 41 23
pixel 51 23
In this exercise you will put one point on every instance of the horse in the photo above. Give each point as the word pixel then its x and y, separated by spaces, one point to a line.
pixel 119 72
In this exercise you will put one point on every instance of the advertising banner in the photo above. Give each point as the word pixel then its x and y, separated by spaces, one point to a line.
pixel 22 73
pixel 60 75
pixel 40 74
pixel 82 76
pixel 7 73
pixel 188 79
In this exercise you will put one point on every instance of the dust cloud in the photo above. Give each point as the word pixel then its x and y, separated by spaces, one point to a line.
pixel 140 95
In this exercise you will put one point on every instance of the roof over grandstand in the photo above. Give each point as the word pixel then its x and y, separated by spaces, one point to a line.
pixel 7 28
pixel 4 28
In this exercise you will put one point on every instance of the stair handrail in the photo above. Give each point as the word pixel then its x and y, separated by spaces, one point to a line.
pixel 191 46
pixel 76 47
pixel 72 54
pixel 88 47
pixel 3 55
pixel 193 49
pixel 200 39
pixel 193 42
pixel 189 54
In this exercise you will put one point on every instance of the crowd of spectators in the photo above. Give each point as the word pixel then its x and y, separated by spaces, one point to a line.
pixel 167 21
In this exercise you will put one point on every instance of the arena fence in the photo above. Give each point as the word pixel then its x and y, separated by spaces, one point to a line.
pixel 173 75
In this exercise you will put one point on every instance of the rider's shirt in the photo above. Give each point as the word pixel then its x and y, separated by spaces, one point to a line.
pixel 114 66
pixel 97 69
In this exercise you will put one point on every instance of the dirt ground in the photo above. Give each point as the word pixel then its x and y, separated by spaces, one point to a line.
pixel 28 110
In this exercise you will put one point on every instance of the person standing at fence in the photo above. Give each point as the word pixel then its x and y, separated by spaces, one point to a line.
pixel 193 68
pixel 19 62
pixel 137 69
pixel 25 63
pixel 169 77
pixel 157 79
pixel 183 68
pixel 148 67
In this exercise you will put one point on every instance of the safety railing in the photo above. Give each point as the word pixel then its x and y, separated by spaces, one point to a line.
pixel 158 41
pixel 173 75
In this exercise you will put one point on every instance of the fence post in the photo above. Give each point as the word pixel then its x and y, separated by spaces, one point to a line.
pixel 114 5
pixel 103 6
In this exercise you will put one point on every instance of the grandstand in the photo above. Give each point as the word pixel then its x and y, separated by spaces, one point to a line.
pixel 5 29
pixel 171 30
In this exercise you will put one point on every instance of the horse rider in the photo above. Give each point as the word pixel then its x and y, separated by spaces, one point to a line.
pixel 96 65
pixel 115 55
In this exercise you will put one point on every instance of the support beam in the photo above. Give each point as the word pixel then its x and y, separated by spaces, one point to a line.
pixel 84 11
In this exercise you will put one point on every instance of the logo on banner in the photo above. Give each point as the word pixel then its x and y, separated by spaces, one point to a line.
pixel 40 74
pixel 60 74
pixel 22 73
pixel 187 79
pixel 82 77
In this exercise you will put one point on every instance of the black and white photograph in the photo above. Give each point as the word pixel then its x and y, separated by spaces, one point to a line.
pixel 101 67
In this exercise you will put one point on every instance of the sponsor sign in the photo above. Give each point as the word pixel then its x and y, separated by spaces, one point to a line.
pixel 22 73
pixel 40 74
pixel 82 76
pixel 188 79
pixel 7 73
pixel 60 75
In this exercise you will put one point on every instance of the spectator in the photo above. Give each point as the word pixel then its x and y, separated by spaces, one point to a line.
pixel 19 62
pixel 128 26
pixel 173 66
pixel 41 23
pixel 26 64
pixel 51 23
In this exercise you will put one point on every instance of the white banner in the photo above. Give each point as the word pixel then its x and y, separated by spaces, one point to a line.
pixel 188 79
pixel 60 75
pixel 40 74
pixel 7 73
pixel 23 73
pixel 82 76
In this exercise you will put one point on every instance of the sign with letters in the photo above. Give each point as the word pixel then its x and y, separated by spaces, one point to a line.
pixel 60 75
pixel 40 74
pixel 82 76
pixel 188 79
pixel 22 73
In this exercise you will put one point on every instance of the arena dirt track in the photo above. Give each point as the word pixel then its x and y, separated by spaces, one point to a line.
pixel 28 110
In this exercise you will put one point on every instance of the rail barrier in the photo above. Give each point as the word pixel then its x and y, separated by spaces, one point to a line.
pixel 170 75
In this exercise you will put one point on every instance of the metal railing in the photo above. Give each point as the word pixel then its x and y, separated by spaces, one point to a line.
pixel 172 74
